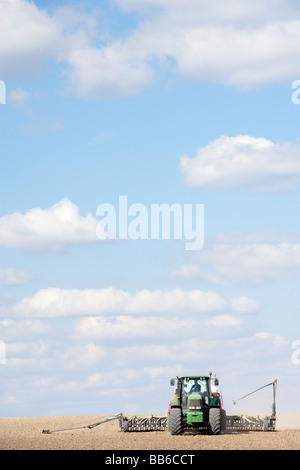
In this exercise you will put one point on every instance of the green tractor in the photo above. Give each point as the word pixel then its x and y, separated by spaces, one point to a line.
pixel 196 404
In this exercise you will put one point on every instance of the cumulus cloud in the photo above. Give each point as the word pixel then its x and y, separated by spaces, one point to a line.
pixel 38 38
pixel 56 302
pixel 78 356
pixel 244 161
pixel 236 258
pixel 107 72
pixel 13 277
pixel 243 304
pixel 254 263
pixel 224 321
pixel 23 330
pixel 230 10
pixel 67 36
pixel 129 327
pixel 166 371
pixel 27 352
pixel 233 42
pixel 19 97
pixel 48 229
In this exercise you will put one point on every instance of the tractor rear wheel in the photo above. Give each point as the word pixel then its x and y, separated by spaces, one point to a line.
pixel 215 421
pixel 175 422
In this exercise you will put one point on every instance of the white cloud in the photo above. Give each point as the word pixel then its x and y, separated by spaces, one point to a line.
pixel 48 229
pixel 13 277
pixel 107 72
pixel 27 352
pixel 244 161
pixel 56 302
pixel 93 369
pixel 253 263
pixel 186 271
pixel 237 258
pixel 171 371
pixel 233 42
pixel 23 330
pixel 195 11
pixel 19 97
pixel 275 339
pixel 67 36
pixel 225 264
pixel 38 38
pixel 128 327
pixel 70 386
pixel 79 356
pixel 223 321
pixel 243 304
pixel 246 57
pixel 156 353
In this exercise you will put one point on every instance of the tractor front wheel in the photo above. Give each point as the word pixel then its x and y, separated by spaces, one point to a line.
pixel 175 422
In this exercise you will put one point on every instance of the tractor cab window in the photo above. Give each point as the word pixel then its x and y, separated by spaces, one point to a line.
pixel 190 385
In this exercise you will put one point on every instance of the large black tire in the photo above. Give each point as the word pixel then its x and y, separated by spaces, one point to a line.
pixel 175 422
pixel 125 426
pixel 223 421
pixel 265 425
pixel 215 421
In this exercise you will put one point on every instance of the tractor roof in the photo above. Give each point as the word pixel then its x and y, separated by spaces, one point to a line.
pixel 193 377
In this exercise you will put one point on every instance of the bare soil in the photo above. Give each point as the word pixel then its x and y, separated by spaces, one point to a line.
pixel 26 434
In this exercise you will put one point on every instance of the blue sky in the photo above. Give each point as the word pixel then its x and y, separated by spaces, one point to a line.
pixel 162 102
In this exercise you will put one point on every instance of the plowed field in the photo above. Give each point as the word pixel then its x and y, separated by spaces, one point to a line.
pixel 26 434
